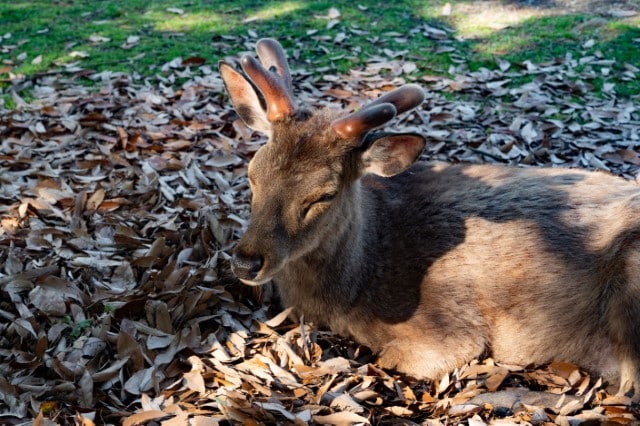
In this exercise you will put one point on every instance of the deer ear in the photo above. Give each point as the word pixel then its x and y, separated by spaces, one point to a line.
pixel 390 154
pixel 244 98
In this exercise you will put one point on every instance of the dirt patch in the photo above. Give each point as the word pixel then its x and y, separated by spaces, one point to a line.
pixel 507 10
pixel 476 19
pixel 571 6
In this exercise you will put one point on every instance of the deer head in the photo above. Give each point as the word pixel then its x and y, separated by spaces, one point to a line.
pixel 304 180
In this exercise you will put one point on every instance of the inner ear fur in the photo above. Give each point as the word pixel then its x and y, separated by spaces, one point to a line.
pixel 244 98
pixel 389 154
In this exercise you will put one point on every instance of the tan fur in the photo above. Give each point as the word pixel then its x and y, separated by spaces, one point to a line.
pixel 441 263
pixel 435 266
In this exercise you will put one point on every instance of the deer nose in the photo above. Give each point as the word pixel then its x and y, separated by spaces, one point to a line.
pixel 246 267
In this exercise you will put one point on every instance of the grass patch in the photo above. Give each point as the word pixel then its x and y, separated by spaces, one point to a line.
pixel 140 36
pixel 537 39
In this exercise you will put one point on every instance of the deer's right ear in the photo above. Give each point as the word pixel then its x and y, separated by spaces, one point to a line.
pixel 244 98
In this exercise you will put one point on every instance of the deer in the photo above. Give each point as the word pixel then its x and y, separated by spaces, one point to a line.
pixel 432 265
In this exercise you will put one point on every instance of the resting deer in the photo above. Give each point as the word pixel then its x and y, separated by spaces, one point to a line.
pixel 433 265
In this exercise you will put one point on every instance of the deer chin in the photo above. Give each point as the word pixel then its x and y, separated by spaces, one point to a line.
pixel 273 268
pixel 263 277
pixel 256 283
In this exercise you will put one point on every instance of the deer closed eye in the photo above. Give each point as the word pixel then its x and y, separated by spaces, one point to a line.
pixel 317 202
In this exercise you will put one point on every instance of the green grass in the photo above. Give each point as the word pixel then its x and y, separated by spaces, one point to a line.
pixel 542 39
pixel 55 31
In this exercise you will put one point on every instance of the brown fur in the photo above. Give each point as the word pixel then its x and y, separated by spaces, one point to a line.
pixel 441 263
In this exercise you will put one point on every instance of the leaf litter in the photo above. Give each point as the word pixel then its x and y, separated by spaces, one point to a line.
pixel 120 206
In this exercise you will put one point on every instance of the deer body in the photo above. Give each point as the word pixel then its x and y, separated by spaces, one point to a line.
pixel 434 282
pixel 434 265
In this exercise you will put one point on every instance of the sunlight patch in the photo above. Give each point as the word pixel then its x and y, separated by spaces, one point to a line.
pixel 482 19
pixel 185 22
pixel 274 10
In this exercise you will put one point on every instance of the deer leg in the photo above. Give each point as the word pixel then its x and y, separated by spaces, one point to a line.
pixel 624 320
pixel 429 361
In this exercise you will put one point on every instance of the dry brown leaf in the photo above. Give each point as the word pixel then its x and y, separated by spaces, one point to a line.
pixel 145 416
pixel 343 418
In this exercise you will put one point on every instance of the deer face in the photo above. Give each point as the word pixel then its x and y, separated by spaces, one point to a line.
pixel 301 180
pixel 296 183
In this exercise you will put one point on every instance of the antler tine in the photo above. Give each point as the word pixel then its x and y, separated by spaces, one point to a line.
pixel 358 123
pixel 404 98
pixel 273 58
pixel 380 111
pixel 275 86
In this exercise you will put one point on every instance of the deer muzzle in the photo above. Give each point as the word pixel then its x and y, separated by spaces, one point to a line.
pixel 246 267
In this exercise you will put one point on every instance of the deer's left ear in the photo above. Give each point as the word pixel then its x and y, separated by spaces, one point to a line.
pixel 390 154
pixel 244 98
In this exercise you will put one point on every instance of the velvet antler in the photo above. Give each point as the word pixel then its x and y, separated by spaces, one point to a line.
pixel 272 78
pixel 379 111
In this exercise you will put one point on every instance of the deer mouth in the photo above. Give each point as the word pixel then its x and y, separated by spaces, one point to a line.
pixel 255 282
pixel 253 269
